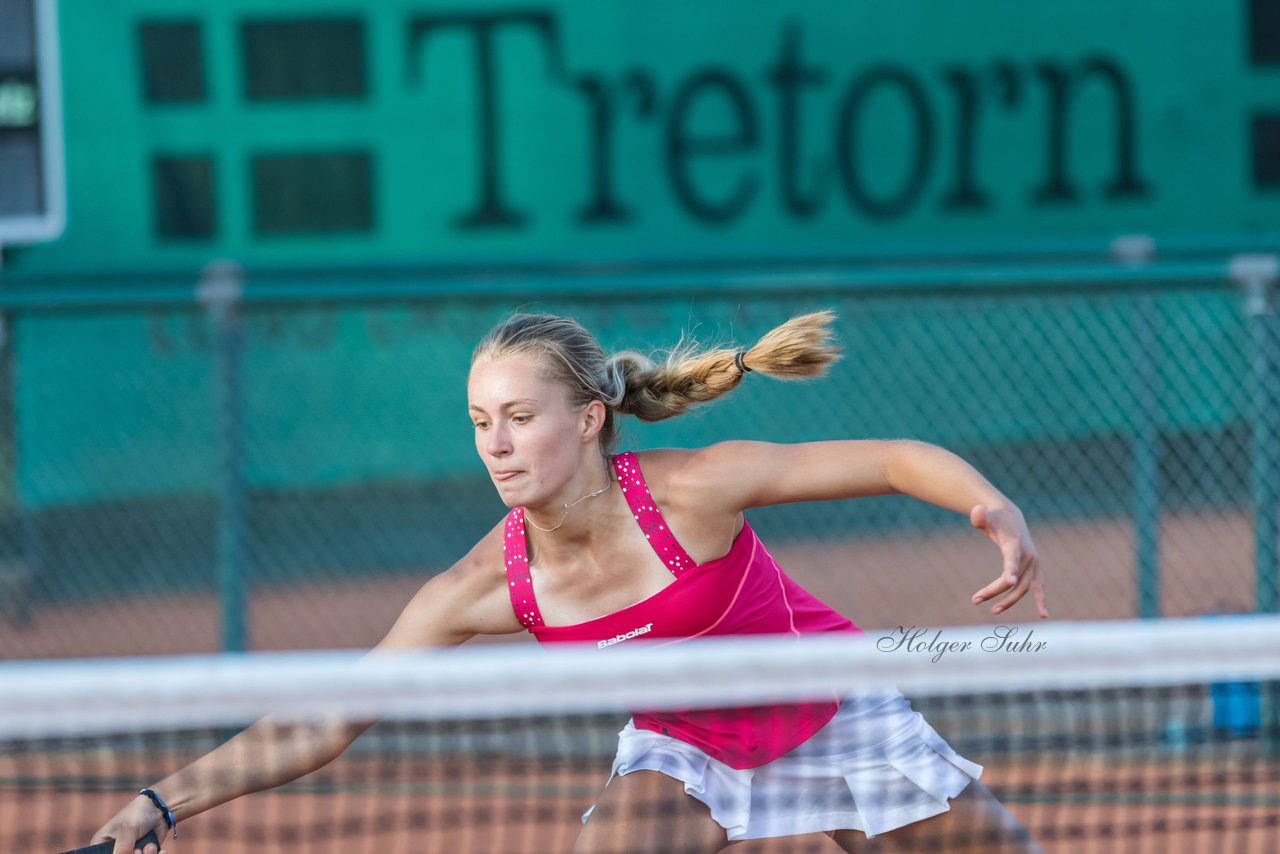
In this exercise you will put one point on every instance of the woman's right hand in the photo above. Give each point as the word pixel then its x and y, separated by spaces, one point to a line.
pixel 130 825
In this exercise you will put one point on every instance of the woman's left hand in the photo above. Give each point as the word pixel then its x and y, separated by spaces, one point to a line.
pixel 1005 527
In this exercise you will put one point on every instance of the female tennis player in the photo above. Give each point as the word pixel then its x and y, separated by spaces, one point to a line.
pixel 602 548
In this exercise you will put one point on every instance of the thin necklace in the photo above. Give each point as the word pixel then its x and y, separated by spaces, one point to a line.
pixel 608 484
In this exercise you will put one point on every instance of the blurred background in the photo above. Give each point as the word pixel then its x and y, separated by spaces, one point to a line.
pixel 248 246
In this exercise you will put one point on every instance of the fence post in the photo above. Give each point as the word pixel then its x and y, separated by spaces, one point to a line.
pixel 1256 274
pixel 219 292
pixel 1136 251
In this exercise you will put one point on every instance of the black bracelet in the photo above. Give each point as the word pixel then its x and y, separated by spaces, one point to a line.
pixel 164 810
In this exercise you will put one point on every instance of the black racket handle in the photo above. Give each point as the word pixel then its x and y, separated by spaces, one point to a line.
pixel 108 847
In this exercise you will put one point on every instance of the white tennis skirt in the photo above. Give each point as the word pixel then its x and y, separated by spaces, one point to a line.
pixel 876 766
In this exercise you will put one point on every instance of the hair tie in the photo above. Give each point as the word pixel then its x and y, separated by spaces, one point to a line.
pixel 738 360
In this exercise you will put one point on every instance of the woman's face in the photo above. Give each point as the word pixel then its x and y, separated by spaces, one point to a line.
pixel 529 437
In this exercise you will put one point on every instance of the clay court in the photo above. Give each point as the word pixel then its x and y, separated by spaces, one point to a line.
pixel 389 805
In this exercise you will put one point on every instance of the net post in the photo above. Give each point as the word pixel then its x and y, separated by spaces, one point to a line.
pixel 1136 251
pixel 219 293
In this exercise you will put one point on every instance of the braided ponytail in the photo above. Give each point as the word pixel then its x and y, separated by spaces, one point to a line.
pixel 800 348
pixel 630 383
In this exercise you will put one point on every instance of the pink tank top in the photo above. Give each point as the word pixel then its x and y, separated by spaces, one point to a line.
pixel 743 592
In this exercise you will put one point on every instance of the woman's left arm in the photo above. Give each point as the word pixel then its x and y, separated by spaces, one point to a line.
pixel 754 474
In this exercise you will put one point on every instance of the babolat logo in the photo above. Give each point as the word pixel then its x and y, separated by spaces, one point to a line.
pixel 634 633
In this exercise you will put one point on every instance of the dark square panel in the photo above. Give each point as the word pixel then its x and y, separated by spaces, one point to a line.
pixel 1266 151
pixel 1264 32
pixel 172 61
pixel 292 60
pixel 21 186
pixel 18 24
pixel 184 202
pixel 296 194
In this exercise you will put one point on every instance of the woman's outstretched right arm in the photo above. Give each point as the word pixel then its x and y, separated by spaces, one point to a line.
pixel 468 599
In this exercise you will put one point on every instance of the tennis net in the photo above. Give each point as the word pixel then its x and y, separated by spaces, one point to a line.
pixel 1097 737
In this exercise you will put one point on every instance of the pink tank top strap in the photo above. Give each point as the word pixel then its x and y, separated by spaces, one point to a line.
pixel 519 581
pixel 650 518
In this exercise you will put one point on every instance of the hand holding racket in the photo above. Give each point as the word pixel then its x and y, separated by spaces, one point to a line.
pixel 109 846
pixel 137 821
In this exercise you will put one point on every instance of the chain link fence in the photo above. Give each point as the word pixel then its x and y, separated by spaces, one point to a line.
pixel 284 470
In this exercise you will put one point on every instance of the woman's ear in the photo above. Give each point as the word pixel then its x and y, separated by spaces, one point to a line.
pixel 593 415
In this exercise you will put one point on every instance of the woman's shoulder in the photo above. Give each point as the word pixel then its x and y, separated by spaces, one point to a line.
pixel 677 474
pixel 484 564
pixel 661 466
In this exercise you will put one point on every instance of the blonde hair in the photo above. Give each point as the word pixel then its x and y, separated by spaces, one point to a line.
pixel 630 383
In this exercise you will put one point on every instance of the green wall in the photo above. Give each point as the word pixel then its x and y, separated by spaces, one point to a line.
pixel 411 139
pixel 285 133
